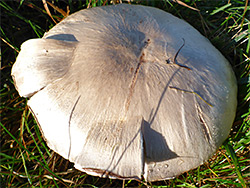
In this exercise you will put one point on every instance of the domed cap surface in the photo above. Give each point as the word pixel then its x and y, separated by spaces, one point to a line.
pixel 128 91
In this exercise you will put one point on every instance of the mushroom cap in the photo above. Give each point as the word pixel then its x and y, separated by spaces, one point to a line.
pixel 128 91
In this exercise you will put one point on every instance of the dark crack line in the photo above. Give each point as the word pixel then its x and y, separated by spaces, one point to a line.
pixel 205 128
pixel 175 57
pixel 132 85
pixel 109 172
pixel 70 117
pixel 179 51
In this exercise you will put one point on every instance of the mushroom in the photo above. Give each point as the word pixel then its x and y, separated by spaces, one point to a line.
pixel 128 92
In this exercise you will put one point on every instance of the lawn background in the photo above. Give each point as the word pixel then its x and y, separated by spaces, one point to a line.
pixel 25 158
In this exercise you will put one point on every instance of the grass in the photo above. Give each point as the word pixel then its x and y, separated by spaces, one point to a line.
pixel 25 158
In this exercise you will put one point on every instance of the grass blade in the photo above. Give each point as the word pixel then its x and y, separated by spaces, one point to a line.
pixel 234 158
pixel 25 169
pixel 220 9
pixel 38 161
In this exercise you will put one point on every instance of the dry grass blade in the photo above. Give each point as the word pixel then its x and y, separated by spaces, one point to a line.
pixel 62 12
pixel 9 45
pixel 204 25
pixel 48 11
pixel 185 5
pixel 244 13
pixel 193 92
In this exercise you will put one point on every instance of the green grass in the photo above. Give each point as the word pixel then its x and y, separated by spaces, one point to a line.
pixel 25 158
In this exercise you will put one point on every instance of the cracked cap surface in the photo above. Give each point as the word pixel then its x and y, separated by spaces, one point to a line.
pixel 128 91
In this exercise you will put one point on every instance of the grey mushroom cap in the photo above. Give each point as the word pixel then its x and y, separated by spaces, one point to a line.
pixel 128 91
